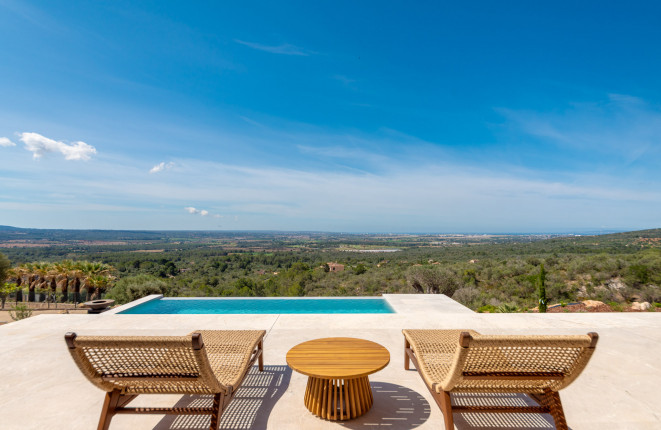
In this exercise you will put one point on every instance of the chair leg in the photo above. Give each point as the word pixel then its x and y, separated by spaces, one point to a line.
pixel 217 411
pixel 407 360
pixel 446 407
pixel 109 406
pixel 552 400
pixel 260 360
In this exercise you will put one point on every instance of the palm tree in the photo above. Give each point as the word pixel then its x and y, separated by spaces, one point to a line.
pixel 17 274
pixel 97 284
pixel 76 274
pixel 29 270
pixel 65 276
pixel 92 273
pixel 42 283
pixel 63 270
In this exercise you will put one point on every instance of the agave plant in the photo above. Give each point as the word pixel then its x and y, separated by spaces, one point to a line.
pixel 507 308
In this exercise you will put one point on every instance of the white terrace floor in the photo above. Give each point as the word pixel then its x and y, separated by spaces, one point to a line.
pixel 40 387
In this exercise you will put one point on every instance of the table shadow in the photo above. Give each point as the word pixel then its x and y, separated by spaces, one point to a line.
pixel 395 407
pixel 498 421
pixel 249 409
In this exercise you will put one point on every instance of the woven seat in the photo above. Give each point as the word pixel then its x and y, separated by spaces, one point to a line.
pixel 204 362
pixel 464 361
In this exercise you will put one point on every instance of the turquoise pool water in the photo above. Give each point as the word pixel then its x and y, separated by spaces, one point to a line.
pixel 262 306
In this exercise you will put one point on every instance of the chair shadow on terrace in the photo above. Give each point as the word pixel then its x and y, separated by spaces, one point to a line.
pixel 395 408
pixel 249 410
pixel 498 421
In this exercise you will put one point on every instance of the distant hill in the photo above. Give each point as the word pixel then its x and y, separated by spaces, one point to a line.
pixel 639 237
pixel 515 243
pixel 9 228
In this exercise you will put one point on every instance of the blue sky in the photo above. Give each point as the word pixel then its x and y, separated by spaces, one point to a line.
pixel 331 116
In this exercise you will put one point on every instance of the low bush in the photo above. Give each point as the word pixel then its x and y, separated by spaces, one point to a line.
pixel 20 312
pixel 135 287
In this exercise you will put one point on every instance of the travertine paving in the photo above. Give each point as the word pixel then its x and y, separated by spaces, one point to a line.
pixel 40 387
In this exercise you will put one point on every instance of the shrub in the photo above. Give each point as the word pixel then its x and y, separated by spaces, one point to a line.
pixel 468 296
pixel 135 287
pixel 20 312
pixel 360 269
pixel 487 308
pixel 617 307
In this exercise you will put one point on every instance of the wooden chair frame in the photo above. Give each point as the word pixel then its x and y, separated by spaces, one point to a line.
pixel 115 401
pixel 547 402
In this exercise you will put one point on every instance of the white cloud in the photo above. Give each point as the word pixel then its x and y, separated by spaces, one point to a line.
pixel 39 145
pixel 6 142
pixel 194 211
pixel 284 49
pixel 161 167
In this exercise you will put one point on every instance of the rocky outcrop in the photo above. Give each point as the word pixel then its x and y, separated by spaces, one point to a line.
pixel 616 284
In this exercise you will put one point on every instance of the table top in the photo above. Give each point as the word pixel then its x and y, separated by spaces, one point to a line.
pixel 338 357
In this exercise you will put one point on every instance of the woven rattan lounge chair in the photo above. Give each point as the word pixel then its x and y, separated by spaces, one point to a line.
pixel 204 362
pixel 456 361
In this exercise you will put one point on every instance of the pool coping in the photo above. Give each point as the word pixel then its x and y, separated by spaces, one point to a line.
pixel 133 304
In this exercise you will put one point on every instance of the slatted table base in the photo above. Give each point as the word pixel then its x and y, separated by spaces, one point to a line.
pixel 338 399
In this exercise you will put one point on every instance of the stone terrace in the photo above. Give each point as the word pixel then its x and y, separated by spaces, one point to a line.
pixel 40 387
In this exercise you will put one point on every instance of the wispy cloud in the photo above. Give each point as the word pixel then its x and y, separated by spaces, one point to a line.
pixel 40 145
pixel 621 124
pixel 345 80
pixel 4 141
pixel 342 152
pixel 251 121
pixel 284 49
pixel 161 167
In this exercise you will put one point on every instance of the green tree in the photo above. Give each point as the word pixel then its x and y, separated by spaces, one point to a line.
pixel 542 289
pixel 432 280
pixel 6 289
pixel 5 265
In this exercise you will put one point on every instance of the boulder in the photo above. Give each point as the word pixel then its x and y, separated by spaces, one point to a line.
pixel 640 306
pixel 591 304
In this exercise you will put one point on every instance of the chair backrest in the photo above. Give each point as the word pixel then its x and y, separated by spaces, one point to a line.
pixel 510 363
pixel 145 364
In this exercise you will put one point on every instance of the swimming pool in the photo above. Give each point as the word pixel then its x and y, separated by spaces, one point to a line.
pixel 376 305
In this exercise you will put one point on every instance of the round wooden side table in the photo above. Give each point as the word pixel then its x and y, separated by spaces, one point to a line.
pixel 337 368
